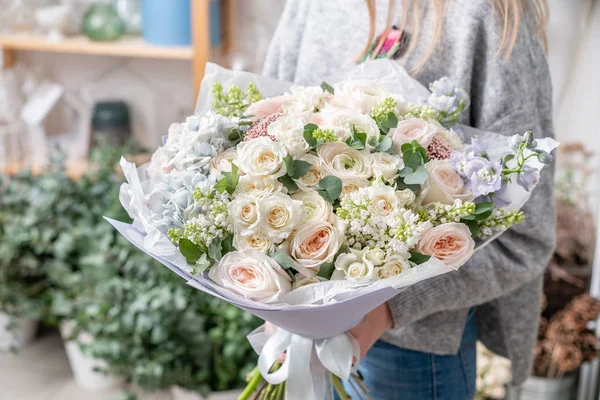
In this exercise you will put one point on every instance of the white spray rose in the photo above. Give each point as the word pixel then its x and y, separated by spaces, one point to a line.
pixel 352 185
pixel 393 266
pixel 305 99
pixel 289 131
pixel 222 161
pixel 383 200
pixel 359 95
pixel 254 241
pixel 311 179
pixel 374 256
pixel 354 268
pixel 253 275
pixel 257 186
pixel 262 157
pixel 244 214
pixel 280 215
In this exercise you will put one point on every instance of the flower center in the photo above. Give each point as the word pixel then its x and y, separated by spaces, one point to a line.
pixel 278 217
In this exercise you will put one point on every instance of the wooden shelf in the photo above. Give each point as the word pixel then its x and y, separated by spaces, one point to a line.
pixel 127 46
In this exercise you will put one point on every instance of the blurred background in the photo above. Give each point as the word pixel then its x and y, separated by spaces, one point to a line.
pixel 83 315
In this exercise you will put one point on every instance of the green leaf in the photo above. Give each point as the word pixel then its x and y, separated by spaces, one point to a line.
pixel 326 270
pixel 289 183
pixel 233 177
pixel 373 142
pixel 222 185
pixel 390 122
pixel 309 129
pixel 418 258
pixel 327 87
pixel 214 250
pixel 289 165
pixel 473 227
pixel 483 211
pixel 301 168
pixel 385 143
pixel 227 245
pixel 413 160
pixel 192 252
pixel 414 177
pixel 201 265
pixel 284 261
pixel 401 185
pixel 330 188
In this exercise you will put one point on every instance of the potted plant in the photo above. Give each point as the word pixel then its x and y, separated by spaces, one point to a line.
pixel 23 253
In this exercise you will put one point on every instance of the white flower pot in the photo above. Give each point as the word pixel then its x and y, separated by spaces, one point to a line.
pixel 535 388
pixel 184 394
pixel 84 368
pixel 22 335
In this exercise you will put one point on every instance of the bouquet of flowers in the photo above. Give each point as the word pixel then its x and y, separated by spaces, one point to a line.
pixel 311 206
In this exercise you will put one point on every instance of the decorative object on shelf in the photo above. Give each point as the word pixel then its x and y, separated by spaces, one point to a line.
pixel 53 20
pixel 167 23
pixel 111 122
pixel 130 12
pixel 102 23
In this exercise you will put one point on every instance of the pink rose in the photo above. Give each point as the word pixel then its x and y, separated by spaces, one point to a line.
pixel 444 184
pixel 450 243
pixel 313 245
pixel 412 129
pixel 253 275
pixel 265 107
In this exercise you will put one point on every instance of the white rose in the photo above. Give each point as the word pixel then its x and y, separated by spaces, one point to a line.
pixel 342 161
pixel 352 185
pixel 289 131
pixel 406 196
pixel 305 99
pixel 253 275
pixel 262 157
pixel 444 184
pixel 355 269
pixel 313 245
pixel 254 241
pixel 257 186
pixel 222 161
pixel 385 165
pixel 312 178
pixel 383 200
pixel 347 119
pixel 301 281
pixel 450 243
pixel 393 266
pixel 412 129
pixel 316 207
pixel 280 215
pixel 244 214
pixel 374 256
pixel 359 95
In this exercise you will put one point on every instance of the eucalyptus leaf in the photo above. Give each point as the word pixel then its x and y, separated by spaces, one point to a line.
pixel 284 261
pixel 418 258
pixel 301 168
pixel 327 87
pixel 326 270
pixel 330 188
pixel 289 184
pixel 192 252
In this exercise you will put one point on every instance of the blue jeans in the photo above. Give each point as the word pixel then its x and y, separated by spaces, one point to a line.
pixel 391 372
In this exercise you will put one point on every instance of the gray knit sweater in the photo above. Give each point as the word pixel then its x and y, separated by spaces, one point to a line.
pixel 318 39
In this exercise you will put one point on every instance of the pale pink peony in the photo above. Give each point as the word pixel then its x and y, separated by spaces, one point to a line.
pixel 450 243
pixel 269 106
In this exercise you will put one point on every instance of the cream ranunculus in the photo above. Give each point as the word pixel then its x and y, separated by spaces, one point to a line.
pixel 253 275
pixel 412 129
pixel 393 266
pixel 262 157
pixel 244 214
pixel 257 186
pixel 301 281
pixel 450 243
pixel 385 165
pixel 222 161
pixel 305 99
pixel 254 241
pixel 316 207
pixel 342 161
pixel 311 179
pixel 354 268
pixel 280 215
pixel 444 184
pixel 347 119
pixel 289 131
pixel 313 245
pixel 359 95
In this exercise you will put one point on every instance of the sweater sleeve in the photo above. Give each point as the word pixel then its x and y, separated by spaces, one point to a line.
pixel 507 98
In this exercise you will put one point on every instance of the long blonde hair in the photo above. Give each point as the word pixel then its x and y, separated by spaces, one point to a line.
pixel 509 13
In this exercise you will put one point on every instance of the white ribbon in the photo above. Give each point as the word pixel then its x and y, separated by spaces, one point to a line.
pixel 306 372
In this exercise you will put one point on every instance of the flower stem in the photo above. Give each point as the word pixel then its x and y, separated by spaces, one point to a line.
pixel 339 388
pixel 252 385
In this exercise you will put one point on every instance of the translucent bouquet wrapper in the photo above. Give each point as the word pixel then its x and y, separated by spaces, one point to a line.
pixel 312 320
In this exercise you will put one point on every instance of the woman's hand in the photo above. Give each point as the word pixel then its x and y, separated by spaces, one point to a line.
pixel 372 327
